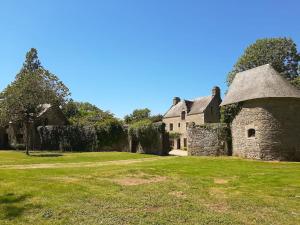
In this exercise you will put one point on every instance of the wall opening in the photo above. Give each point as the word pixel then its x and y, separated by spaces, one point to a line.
pixel 251 133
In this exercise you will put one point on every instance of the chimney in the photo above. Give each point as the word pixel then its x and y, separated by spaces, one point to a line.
pixel 176 100
pixel 216 92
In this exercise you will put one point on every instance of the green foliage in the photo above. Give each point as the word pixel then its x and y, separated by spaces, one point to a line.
pixel 174 135
pixel 142 114
pixel 281 53
pixel 32 87
pixel 86 114
pixel 296 82
pixel 108 135
pixel 146 132
pixel 137 115
pixel 156 118
pixel 228 112
pixel 111 132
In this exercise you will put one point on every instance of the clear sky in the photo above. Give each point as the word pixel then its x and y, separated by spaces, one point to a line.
pixel 127 54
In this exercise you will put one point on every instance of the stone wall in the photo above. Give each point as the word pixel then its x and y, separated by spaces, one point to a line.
pixel 208 139
pixel 277 130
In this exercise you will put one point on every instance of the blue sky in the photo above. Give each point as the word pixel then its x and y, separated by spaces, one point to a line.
pixel 127 54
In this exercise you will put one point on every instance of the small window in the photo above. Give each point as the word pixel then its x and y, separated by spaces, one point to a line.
pixel 171 126
pixel 178 124
pixel 183 115
pixel 185 142
pixel 251 133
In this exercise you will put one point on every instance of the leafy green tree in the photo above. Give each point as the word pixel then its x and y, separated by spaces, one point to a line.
pixel 86 114
pixel 156 118
pixel 23 98
pixel 137 115
pixel 281 53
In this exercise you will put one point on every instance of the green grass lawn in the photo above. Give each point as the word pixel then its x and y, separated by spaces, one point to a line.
pixel 146 190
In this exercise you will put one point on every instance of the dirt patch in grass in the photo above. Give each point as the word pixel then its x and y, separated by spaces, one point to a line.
pixel 138 178
pixel 131 181
pixel 221 206
pixel 220 181
pixel 178 194
pixel 66 179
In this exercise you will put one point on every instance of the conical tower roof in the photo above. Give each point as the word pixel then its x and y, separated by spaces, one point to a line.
pixel 260 82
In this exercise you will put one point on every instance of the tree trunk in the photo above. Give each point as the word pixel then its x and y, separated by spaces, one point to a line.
pixel 26 139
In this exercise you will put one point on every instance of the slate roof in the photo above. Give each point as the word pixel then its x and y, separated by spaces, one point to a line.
pixel 192 107
pixel 260 82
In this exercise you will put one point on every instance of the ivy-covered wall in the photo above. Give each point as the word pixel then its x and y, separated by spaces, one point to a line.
pixel 150 138
pixel 83 138
pixel 141 137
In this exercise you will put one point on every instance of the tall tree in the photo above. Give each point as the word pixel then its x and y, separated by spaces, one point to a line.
pixel 86 114
pixel 281 53
pixel 33 87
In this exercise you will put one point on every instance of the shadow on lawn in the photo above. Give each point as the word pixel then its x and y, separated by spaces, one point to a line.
pixel 46 154
pixel 13 206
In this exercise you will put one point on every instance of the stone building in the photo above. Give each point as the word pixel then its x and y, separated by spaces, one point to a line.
pixel 13 135
pixel 268 124
pixel 182 112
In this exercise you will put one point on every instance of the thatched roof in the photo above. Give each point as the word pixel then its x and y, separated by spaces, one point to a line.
pixel 259 82
pixel 191 107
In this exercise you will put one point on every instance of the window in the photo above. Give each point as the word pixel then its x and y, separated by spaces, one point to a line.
pixel 171 126
pixel 184 142
pixel 251 133
pixel 183 115
pixel 178 124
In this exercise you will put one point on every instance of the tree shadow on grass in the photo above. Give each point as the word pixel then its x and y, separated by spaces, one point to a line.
pixel 46 154
pixel 13 206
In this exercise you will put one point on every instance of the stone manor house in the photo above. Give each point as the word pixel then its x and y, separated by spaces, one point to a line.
pixel 199 111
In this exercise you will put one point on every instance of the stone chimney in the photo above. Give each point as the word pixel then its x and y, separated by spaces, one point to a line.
pixel 176 100
pixel 216 92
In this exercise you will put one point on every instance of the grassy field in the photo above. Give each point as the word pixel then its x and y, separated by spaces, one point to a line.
pixel 124 188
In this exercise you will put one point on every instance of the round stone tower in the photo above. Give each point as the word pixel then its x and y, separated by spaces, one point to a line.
pixel 268 124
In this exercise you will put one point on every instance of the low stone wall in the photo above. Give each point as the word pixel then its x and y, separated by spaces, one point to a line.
pixel 209 140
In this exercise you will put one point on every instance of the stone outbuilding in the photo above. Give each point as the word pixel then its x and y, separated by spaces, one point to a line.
pixel 267 126
pixel 13 135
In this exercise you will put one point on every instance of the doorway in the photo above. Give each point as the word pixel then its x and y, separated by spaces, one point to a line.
pixel 178 143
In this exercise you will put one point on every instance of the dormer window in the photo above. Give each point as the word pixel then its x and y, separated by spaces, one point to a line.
pixel 183 115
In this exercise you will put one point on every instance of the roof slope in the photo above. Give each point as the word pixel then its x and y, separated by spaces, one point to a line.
pixel 193 107
pixel 259 82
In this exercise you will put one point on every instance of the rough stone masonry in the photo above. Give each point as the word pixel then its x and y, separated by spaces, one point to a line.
pixel 208 139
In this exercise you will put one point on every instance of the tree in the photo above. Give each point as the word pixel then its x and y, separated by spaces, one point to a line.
pixel 281 53
pixel 137 115
pixel 33 87
pixel 85 114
